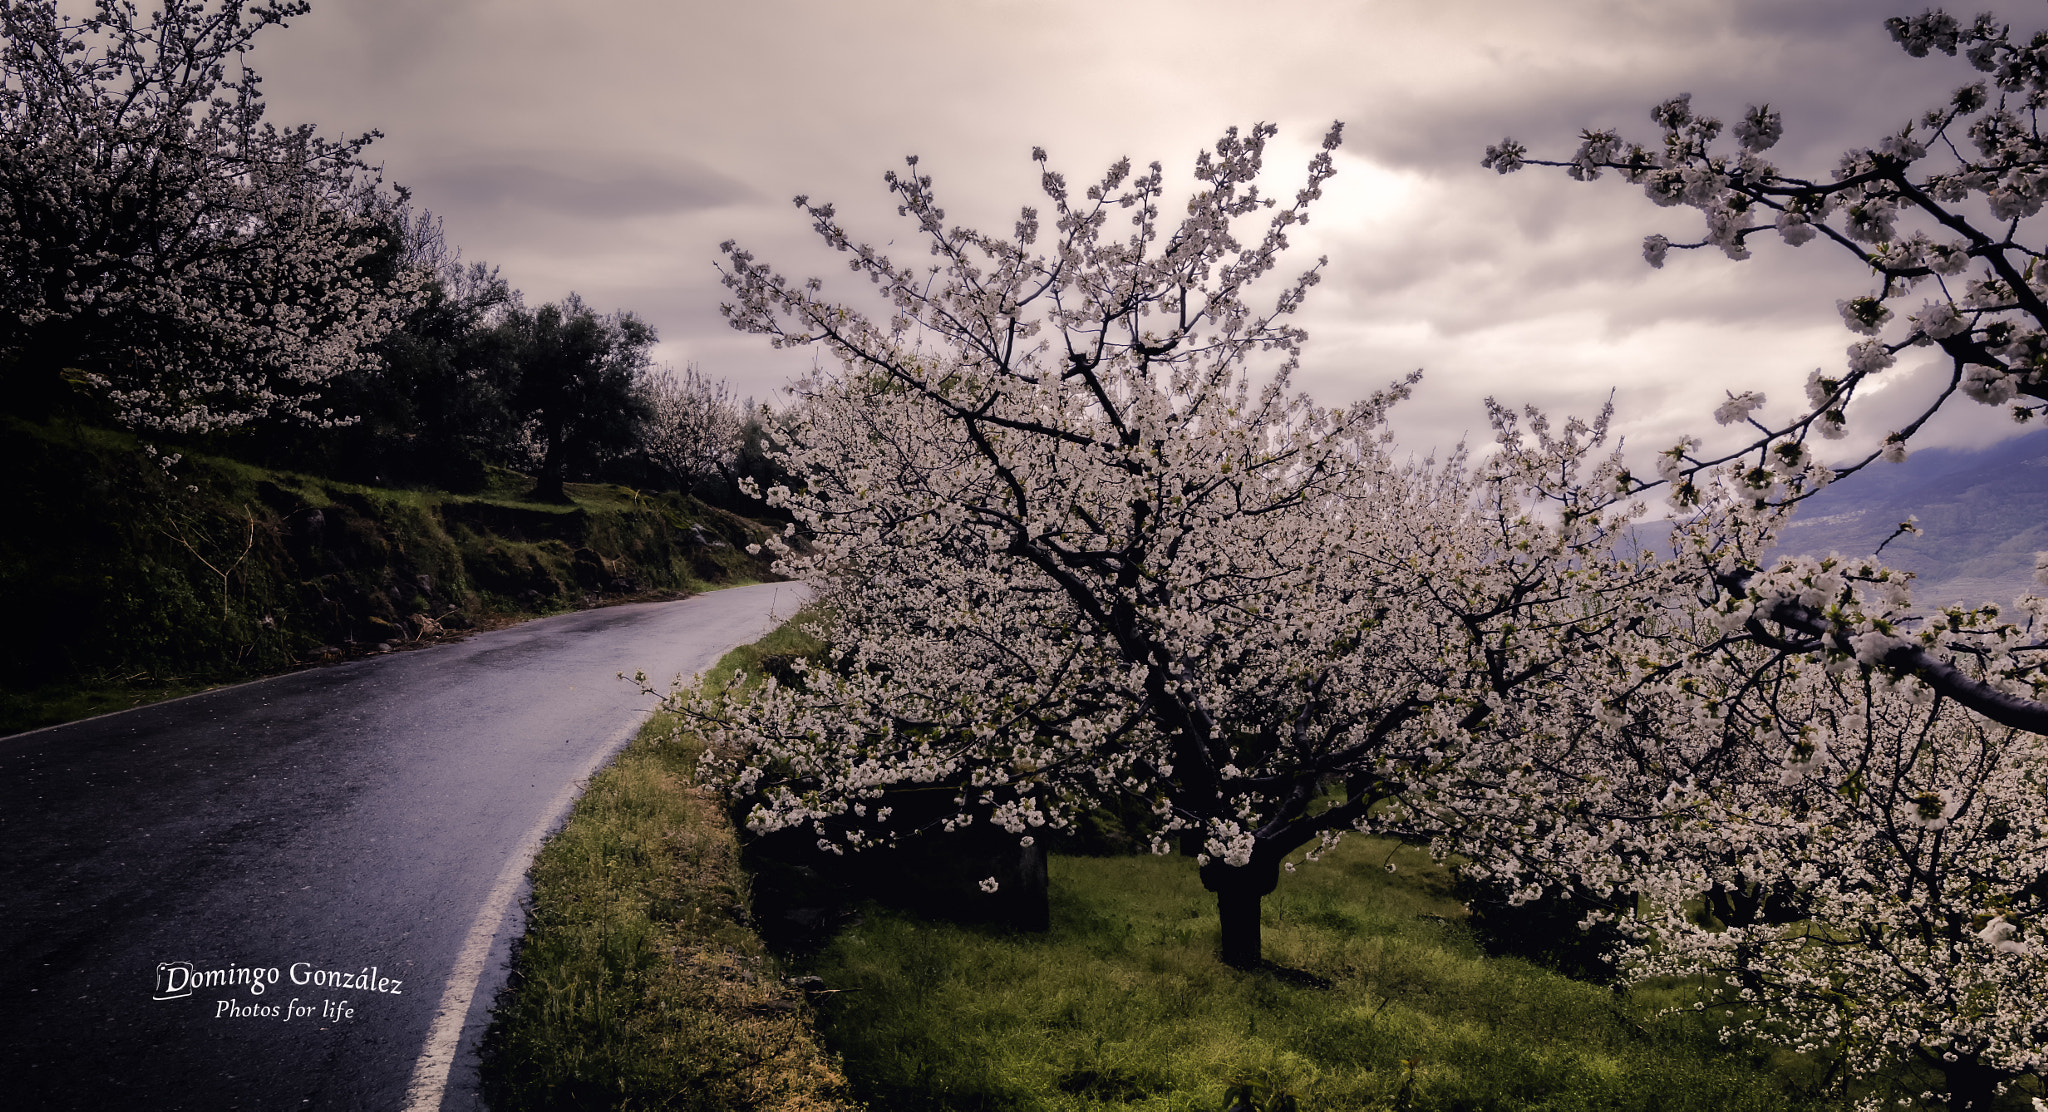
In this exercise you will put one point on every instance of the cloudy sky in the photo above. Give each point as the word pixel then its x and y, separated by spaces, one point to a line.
pixel 608 146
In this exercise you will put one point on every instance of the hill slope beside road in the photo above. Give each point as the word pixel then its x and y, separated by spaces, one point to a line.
pixel 322 825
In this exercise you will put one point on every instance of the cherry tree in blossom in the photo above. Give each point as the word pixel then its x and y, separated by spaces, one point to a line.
pixel 160 244
pixel 1874 859
pixel 693 431
pixel 1944 212
pixel 1079 541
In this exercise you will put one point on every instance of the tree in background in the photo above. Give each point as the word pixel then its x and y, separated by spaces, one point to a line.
pixel 576 386
pixel 160 245
pixel 693 429
pixel 434 406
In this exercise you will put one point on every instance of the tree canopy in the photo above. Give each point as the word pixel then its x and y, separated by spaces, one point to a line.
pixel 577 385
pixel 193 266
pixel 1080 550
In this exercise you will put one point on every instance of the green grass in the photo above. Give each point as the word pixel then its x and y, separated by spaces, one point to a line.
pixel 786 642
pixel 638 984
pixel 1124 1005
pixel 641 985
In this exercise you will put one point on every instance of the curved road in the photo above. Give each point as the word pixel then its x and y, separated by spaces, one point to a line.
pixel 358 832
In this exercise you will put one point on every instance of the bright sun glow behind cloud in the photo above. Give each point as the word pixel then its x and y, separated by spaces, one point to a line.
pixel 609 146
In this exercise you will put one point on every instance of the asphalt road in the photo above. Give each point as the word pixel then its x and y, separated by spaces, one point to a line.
pixel 377 815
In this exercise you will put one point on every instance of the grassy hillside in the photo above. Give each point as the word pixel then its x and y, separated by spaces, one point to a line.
pixel 126 583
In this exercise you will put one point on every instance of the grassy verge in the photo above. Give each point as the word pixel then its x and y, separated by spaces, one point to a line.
pixel 1123 1005
pixel 641 985
pixel 638 984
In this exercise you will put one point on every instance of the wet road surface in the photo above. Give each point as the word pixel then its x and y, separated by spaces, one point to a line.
pixel 342 829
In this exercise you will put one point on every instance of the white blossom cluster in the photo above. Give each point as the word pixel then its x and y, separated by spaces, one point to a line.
pixel 197 267
pixel 1856 865
pixel 1945 212
pixel 1875 864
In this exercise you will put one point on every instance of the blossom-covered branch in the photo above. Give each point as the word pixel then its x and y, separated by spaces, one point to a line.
pixel 1943 210
pixel 160 244
pixel 1080 548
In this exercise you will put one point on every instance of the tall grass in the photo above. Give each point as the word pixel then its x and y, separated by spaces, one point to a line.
pixel 638 984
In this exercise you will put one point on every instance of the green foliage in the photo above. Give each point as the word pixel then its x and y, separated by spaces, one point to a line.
pixel 638 984
pixel 577 383
pixel 124 582
pixel 434 407
pixel 1380 1000
pixel 771 655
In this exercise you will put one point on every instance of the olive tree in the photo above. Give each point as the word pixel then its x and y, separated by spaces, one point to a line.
pixel 576 378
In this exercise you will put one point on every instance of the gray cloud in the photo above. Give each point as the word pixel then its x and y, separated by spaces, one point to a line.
pixel 609 146
pixel 581 186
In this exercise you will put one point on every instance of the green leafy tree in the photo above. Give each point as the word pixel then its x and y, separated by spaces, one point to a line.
pixel 577 387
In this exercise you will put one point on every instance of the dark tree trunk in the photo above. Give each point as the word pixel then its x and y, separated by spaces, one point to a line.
pixel 1972 1086
pixel 547 487
pixel 1239 891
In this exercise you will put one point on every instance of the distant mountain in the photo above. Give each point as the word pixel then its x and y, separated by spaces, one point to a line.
pixel 1983 516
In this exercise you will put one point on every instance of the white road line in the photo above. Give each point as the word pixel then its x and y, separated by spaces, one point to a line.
pixel 437 1058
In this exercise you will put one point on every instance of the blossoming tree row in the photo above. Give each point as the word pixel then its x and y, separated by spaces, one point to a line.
pixel 1081 543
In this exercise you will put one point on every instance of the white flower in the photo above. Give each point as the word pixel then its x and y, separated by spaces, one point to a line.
pixel 1738 407
pixel 989 885
pixel 1820 390
pixel 1864 314
pixel 1949 260
pixel 1999 936
pixel 1933 810
pixel 1939 320
pixel 1989 385
pixel 1654 249
pixel 1794 228
pixel 1871 221
pixel 1871 646
pixel 1759 128
pixel 1902 146
pixel 1869 356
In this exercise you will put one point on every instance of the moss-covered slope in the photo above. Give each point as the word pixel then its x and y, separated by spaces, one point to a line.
pixel 126 582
